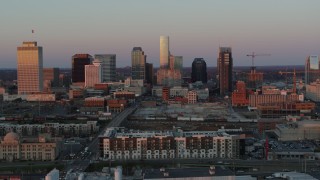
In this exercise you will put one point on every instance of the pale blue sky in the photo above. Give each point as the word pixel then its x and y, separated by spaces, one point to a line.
pixel 287 29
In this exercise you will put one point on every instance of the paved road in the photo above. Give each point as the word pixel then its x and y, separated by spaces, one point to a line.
pixel 116 121
pixel 81 164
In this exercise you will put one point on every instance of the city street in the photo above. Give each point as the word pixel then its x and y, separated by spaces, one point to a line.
pixel 79 164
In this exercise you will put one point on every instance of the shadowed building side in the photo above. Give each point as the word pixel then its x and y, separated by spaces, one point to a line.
pixel 225 67
pixel 78 67
pixel 199 70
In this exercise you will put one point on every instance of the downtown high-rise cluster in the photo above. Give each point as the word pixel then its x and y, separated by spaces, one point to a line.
pixel 89 70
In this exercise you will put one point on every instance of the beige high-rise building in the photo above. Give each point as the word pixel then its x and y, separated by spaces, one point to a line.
pixel 30 68
pixel 164 51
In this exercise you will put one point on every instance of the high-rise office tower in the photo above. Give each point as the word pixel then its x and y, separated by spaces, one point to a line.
pixel 138 60
pixel 199 70
pixel 93 74
pixel 52 75
pixel 178 63
pixel 78 66
pixel 149 73
pixel 30 68
pixel 50 78
pixel 108 65
pixel 169 76
pixel 312 69
pixel 164 51
pixel 225 66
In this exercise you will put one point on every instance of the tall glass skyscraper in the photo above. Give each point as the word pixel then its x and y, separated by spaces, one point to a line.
pixel 149 73
pixel 138 60
pixel 108 65
pixel 178 63
pixel 78 67
pixel 199 70
pixel 164 51
pixel 312 69
pixel 225 67
pixel 30 68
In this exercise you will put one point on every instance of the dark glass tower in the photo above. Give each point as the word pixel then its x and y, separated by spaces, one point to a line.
pixel 199 70
pixel 78 63
pixel 149 73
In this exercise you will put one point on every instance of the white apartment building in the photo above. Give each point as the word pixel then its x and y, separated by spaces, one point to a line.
pixel 119 144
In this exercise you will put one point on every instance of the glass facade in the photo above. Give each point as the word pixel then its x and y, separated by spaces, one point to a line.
pixel 138 60
pixel 108 64
pixel 314 63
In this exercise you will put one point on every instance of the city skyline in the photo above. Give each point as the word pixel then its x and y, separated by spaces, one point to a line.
pixel 286 29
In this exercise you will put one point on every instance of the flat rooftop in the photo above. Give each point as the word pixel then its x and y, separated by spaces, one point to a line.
pixel 205 110
pixel 202 173
pixel 124 133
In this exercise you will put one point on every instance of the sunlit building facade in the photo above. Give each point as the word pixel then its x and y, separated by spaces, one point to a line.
pixel 12 147
pixel 93 74
pixel 29 68
pixel 169 76
pixel 313 91
pixel 138 60
pixel 164 51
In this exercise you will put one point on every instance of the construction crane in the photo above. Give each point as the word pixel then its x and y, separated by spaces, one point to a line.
pixel 253 77
pixel 294 72
pixel 253 55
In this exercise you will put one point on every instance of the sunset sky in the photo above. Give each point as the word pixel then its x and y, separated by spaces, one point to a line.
pixel 289 30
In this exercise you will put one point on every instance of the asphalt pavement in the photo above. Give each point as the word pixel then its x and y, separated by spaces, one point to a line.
pixel 79 164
